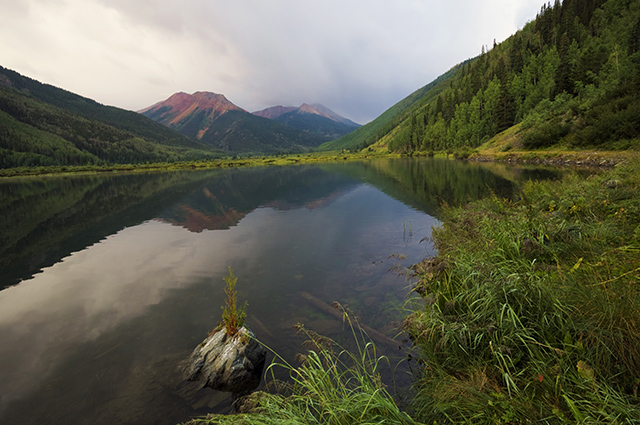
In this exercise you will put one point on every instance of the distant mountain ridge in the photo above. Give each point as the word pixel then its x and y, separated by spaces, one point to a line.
pixel 315 119
pixel 274 112
pixel 215 121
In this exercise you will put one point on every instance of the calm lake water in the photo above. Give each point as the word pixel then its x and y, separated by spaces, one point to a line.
pixel 108 282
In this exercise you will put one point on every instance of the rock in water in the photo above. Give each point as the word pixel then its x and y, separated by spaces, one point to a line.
pixel 227 363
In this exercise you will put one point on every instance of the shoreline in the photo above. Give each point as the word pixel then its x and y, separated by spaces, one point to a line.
pixel 559 158
pixel 604 159
pixel 256 161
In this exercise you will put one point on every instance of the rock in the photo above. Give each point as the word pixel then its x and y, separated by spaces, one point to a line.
pixel 232 364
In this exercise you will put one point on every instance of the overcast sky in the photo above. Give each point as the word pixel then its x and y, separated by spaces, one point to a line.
pixel 357 57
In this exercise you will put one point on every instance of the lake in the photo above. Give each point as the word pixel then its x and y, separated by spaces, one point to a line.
pixel 109 281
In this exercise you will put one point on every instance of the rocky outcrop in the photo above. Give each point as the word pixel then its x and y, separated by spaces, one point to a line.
pixel 227 363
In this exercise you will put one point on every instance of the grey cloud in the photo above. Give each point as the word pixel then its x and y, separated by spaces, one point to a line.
pixel 356 57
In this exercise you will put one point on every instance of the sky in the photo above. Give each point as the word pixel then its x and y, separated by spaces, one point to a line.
pixel 356 57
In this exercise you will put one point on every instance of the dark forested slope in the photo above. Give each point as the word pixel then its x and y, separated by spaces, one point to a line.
pixel 43 125
pixel 390 119
pixel 571 78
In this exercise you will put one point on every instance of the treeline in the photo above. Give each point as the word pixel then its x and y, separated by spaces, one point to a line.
pixel 572 76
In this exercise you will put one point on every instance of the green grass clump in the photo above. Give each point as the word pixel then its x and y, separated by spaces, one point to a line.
pixel 332 386
pixel 532 307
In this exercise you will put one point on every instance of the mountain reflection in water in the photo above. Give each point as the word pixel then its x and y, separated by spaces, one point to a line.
pixel 110 281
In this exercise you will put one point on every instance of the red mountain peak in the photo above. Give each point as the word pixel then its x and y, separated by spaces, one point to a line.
pixel 180 106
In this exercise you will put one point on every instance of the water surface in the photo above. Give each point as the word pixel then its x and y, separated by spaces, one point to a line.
pixel 110 281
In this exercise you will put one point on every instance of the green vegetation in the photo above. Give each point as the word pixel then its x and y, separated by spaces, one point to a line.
pixel 332 386
pixel 75 105
pixel 375 130
pixel 232 316
pixel 571 78
pixel 531 307
pixel 253 135
pixel 323 127
pixel 238 161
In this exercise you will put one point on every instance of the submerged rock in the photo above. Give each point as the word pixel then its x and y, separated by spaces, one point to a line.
pixel 227 363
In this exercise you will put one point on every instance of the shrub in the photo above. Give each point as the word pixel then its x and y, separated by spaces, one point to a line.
pixel 546 134
pixel 232 316
pixel 611 122
pixel 332 386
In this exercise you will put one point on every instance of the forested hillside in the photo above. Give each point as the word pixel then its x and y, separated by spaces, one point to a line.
pixel 242 132
pixel 390 119
pixel 317 120
pixel 41 125
pixel 570 78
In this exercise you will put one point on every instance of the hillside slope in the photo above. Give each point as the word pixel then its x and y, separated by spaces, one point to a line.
pixel 569 79
pixel 385 123
pixel 41 125
pixel 242 132
pixel 87 108
pixel 315 119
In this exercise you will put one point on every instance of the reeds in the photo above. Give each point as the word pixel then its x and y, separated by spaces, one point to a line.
pixel 332 386
pixel 535 316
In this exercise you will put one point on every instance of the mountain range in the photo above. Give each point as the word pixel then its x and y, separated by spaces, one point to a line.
pixel 316 119
pixel 215 121
pixel 42 125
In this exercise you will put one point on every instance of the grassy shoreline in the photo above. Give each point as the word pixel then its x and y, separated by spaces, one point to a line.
pixel 485 154
pixel 532 307
pixel 257 161
pixel 529 314
pixel 558 157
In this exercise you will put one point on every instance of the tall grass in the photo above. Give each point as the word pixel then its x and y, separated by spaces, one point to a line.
pixel 332 386
pixel 532 309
